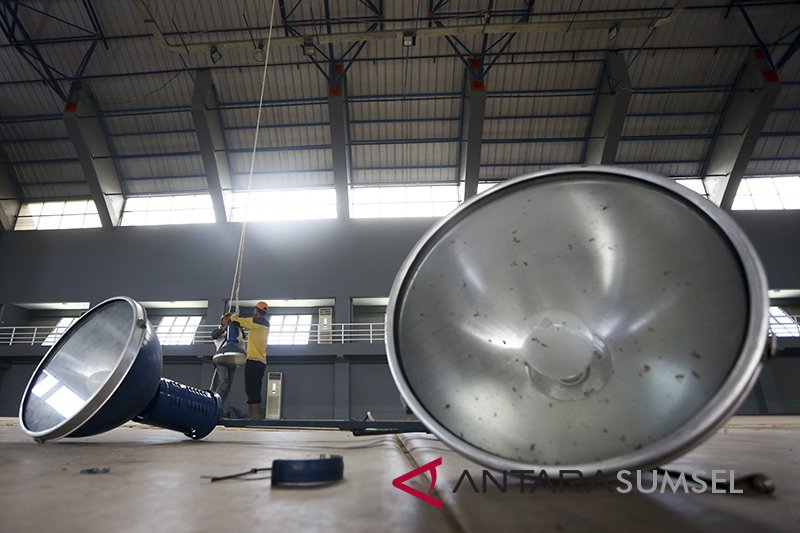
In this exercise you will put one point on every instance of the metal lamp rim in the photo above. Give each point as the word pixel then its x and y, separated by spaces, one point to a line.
pixel 725 400
pixel 130 351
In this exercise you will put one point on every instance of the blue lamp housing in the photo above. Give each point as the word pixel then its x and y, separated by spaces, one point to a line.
pixel 106 370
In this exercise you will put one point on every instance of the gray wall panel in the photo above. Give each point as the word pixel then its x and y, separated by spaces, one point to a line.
pixel 786 375
pixel 281 260
pixel 311 259
pixel 372 389
pixel 307 390
pixel 775 235
pixel 12 384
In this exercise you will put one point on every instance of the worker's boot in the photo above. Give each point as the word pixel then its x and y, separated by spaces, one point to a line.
pixel 254 411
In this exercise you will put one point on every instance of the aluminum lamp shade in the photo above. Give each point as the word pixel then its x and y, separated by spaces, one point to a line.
pixel 231 352
pixel 106 370
pixel 591 319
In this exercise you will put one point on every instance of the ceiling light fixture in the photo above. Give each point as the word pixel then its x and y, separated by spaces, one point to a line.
pixel 216 55
pixel 259 55
pixel 308 47
pixel 613 31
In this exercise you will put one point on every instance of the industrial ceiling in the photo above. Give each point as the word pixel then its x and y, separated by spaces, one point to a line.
pixel 102 99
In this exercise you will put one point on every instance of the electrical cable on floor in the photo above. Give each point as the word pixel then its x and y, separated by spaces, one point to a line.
pixel 240 475
pixel 237 274
pixel 294 472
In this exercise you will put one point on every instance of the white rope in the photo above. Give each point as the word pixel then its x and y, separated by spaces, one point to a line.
pixel 237 274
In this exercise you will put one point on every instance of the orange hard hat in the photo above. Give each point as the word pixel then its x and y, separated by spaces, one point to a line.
pixel 262 305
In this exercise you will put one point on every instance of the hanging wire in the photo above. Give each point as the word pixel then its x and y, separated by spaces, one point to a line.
pixel 405 111
pixel 405 107
pixel 180 55
pixel 237 274
pixel 646 39
pixel 573 17
pixel 141 96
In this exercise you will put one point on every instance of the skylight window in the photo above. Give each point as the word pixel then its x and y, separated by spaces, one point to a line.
pixel 695 184
pixel 289 329
pixel 177 329
pixel 287 204
pixel 69 214
pixel 768 193
pixel 58 330
pixel 403 201
pixel 158 210
pixel 782 324
pixel 486 185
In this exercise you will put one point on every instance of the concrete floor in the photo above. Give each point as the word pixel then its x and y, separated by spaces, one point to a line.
pixel 155 484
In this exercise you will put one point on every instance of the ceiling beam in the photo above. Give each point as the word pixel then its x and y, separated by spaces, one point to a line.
pixel 211 140
pixel 611 106
pixel 752 98
pixel 419 32
pixel 9 193
pixel 472 128
pixel 96 153
pixel 339 140
pixel 11 25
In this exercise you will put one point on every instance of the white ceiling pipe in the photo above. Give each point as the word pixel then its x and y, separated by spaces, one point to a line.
pixel 447 31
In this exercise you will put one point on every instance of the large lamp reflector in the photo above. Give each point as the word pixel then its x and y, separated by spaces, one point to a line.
pixel 231 352
pixel 106 370
pixel 590 319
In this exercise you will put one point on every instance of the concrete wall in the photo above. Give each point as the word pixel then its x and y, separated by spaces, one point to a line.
pixel 776 237
pixel 291 260
pixel 310 259
pixel 282 260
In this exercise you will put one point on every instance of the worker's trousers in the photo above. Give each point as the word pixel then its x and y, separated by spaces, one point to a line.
pixel 253 376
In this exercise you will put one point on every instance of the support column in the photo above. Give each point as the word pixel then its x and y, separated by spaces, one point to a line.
pixel 339 140
pixel 761 399
pixel 474 112
pixel 341 389
pixel 743 118
pixel 9 193
pixel 343 309
pixel 3 367
pixel 771 398
pixel 609 114
pixel 95 153
pixel 211 140
pixel 342 314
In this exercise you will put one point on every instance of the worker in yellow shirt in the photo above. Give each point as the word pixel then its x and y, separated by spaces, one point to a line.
pixel 256 364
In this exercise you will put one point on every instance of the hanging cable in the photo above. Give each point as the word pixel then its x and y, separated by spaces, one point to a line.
pixel 237 273
pixel 406 176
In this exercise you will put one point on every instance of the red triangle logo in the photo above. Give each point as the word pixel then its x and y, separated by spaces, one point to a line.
pixel 400 482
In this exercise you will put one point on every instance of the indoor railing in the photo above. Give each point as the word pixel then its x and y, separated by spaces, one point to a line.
pixel 363 332
pixel 295 334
